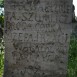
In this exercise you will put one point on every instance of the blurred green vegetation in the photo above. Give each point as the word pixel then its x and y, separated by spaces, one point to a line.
pixel 72 57
pixel 1 40
pixel 1 57
pixel 1 3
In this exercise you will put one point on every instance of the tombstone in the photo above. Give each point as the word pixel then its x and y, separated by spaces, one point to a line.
pixel 37 35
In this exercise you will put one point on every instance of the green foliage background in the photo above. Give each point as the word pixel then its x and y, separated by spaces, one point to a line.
pixel 1 57
pixel 1 47
pixel 72 57
pixel 1 41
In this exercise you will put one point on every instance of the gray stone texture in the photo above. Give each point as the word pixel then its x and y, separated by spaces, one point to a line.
pixel 37 35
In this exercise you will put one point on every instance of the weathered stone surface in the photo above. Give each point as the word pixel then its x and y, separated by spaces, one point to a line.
pixel 37 34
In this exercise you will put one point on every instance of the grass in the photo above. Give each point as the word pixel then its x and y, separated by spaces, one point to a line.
pixel 1 57
pixel 72 58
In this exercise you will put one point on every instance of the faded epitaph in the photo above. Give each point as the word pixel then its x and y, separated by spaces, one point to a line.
pixel 37 35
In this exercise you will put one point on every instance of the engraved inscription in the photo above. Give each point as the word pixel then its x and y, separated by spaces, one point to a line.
pixel 37 34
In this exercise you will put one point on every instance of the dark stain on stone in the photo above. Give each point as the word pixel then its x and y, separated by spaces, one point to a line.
pixel 33 2
pixel 36 1
pixel 15 45
pixel 30 67
pixel 29 1
pixel 6 65
pixel 61 62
